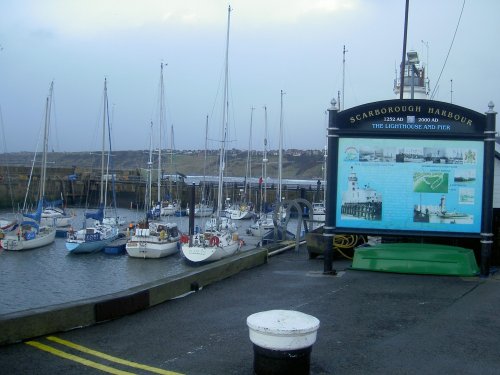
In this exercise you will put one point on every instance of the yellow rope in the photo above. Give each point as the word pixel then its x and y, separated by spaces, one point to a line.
pixel 345 241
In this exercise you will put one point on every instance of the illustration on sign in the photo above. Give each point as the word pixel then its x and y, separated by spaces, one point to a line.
pixel 410 184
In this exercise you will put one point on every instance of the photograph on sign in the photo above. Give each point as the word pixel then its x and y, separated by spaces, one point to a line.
pixel 410 184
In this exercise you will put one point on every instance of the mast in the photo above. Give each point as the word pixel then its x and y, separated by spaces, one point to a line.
pixel 150 166
pixel 162 115
pixel 248 173
pixel 171 159
pixel 264 162
pixel 403 60
pixel 225 109
pixel 280 153
pixel 48 105
pixel 205 164
pixel 343 76
pixel 101 194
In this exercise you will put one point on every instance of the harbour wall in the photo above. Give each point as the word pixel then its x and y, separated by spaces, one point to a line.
pixel 78 188
pixel 27 324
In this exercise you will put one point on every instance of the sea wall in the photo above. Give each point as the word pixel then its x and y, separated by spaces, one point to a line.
pixel 78 188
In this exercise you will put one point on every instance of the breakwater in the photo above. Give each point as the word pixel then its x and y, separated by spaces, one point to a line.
pixel 78 188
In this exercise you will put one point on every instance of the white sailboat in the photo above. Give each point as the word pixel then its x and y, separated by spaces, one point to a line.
pixel 54 214
pixel 58 216
pixel 172 205
pixel 216 242
pixel 203 209
pixel 152 239
pixel 31 233
pixel 266 222
pixel 94 238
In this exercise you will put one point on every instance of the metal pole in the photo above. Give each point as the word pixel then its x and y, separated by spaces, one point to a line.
pixel 343 78
pixel 403 62
pixel 451 91
pixel 487 209
pixel 331 189
pixel 191 210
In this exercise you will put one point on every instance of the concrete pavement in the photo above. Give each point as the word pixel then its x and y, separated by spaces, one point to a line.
pixel 370 323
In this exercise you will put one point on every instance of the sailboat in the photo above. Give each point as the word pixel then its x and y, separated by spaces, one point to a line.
pixel 7 224
pixel 54 213
pixel 94 238
pixel 152 239
pixel 171 206
pixel 245 209
pixel 265 223
pixel 31 233
pixel 217 241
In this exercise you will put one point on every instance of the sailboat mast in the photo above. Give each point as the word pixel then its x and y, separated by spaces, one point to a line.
pixel 48 105
pixel 205 163
pixel 225 110
pixel 171 158
pixel 264 160
pixel 101 194
pixel 150 166
pixel 248 173
pixel 162 114
pixel 280 153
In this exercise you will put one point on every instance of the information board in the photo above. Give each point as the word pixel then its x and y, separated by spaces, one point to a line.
pixel 410 184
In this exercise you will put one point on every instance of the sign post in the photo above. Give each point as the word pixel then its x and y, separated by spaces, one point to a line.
pixel 411 167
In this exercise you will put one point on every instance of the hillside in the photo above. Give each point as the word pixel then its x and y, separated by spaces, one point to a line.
pixel 296 164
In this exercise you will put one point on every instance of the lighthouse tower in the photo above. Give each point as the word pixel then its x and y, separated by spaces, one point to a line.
pixel 352 181
pixel 415 81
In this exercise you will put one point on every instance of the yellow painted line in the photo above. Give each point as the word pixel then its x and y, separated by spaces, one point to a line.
pixel 110 358
pixel 75 358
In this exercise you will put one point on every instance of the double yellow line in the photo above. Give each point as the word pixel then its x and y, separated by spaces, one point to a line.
pixel 95 353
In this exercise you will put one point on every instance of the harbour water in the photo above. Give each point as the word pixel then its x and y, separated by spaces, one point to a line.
pixel 50 275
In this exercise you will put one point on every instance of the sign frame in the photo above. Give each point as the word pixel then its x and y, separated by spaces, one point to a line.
pixel 405 121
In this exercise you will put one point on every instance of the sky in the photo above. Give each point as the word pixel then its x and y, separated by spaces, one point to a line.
pixel 290 45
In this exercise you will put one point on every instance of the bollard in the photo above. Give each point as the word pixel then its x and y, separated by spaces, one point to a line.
pixel 282 341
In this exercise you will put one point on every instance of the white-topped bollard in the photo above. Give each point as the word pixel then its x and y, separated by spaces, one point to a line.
pixel 282 341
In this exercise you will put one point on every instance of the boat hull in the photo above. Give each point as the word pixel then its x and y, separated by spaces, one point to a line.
pixel 240 214
pixel 56 217
pixel 116 247
pixel 204 250
pixel 169 210
pixel 203 211
pixel 57 221
pixel 42 239
pixel 150 247
pixel 86 247
pixel 261 227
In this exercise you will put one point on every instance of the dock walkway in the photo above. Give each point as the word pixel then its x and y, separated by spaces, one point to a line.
pixel 370 323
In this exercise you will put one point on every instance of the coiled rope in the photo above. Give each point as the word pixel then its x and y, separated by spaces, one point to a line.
pixel 342 242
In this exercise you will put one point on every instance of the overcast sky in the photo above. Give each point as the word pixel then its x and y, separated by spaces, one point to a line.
pixel 290 45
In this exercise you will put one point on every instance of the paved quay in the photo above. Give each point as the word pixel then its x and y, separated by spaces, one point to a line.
pixel 370 323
